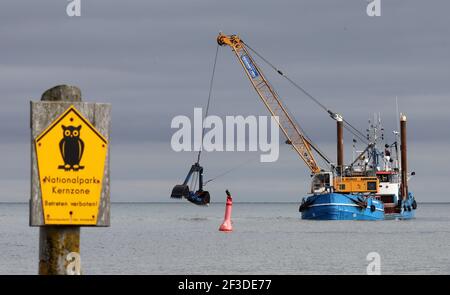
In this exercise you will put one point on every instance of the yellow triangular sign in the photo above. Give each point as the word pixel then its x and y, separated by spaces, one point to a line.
pixel 71 156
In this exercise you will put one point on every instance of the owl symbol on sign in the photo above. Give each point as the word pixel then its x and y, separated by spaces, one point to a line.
pixel 71 147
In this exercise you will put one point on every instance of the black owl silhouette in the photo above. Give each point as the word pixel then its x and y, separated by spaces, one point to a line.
pixel 71 148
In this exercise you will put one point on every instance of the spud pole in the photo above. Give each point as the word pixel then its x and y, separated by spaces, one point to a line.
pixel 404 157
pixel 340 145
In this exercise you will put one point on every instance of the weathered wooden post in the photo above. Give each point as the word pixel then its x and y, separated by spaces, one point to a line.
pixel 69 174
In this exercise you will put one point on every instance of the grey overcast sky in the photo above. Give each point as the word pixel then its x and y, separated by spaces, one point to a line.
pixel 152 60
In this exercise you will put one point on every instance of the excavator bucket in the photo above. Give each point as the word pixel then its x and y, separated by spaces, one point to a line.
pixel 179 191
pixel 200 198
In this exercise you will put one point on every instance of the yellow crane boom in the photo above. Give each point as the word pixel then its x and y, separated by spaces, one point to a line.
pixel 271 100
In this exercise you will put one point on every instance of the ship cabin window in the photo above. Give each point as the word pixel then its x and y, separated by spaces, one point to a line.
pixel 321 182
pixel 392 178
pixel 384 177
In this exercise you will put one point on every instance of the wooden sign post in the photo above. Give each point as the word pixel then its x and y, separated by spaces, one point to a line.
pixel 69 174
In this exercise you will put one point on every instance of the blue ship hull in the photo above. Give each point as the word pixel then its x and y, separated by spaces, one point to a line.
pixel 334 206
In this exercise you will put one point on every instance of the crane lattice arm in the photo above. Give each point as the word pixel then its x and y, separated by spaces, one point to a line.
pixel 271 100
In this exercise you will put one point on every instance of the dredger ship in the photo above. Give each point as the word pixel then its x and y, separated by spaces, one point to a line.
pixel 370 188
pixel 374 186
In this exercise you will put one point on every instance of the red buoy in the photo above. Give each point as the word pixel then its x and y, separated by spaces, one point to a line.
pixel 226 225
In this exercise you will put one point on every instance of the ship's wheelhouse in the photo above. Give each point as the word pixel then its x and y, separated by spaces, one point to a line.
pixel 389 186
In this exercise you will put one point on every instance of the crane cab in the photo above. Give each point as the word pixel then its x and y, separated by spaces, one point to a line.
pixel 322 183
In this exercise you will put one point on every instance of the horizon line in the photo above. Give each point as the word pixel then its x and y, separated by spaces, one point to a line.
pixel 222 202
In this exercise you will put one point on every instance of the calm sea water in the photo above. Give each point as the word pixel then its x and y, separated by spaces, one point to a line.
pixel 181 238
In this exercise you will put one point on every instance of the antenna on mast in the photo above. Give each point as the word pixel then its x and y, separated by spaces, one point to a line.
pixel 397 113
